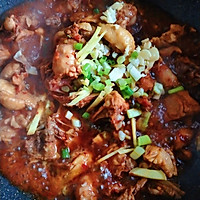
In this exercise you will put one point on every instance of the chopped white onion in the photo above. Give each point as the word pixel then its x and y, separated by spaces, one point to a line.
pixel 69 115
pixel 134 72
pixel 117 73
pixel 110 14
pixel 122 136
pixel 76 122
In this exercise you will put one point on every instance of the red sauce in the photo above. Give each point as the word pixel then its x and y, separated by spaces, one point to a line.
pixel 46 177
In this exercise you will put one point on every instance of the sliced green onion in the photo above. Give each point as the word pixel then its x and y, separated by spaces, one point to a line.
pixel 86 115
pixel 158 88
pixel 134 55
pixel 134 72
pixel 86 70
pixel 139 93
pixel 133 113
pixel 108 82
pixel 129 80
pixel 127 92
pixel 65 153
pixel 103 59
pixel 78 46
pixel 101 73
pixel 96 11
pixel 117 73
pixel 122 84
pixel 142 122
pixel 121 59
pixel 144 140
pixel 137 152
pixel 148 173
pixel 97 86
pixel 106 68
pixel 111 62
pixel 175 90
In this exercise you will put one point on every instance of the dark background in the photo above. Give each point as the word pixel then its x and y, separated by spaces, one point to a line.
pixel 187 11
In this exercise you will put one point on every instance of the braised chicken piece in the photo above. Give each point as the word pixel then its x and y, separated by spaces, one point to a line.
pixel 163 159
pixel 165 188
pixel 64 62
pixel 184 73
pixel 10 69
pixel 182 138
pixel 113 108
pixel 120 163
pixel 7 133
pixel 127 195
pixel 4 54
pixel 147 83
pixel 179 105
pixel 13 100
pixel 79 165
pixel 127 15
pixel 169 37
pixel 43 145
pixel 165 76
pixel 86 190
pixel 116 33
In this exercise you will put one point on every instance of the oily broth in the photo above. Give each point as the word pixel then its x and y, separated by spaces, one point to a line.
pixel 14 155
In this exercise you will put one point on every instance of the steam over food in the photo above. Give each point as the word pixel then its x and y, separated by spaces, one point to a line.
pixel 95 102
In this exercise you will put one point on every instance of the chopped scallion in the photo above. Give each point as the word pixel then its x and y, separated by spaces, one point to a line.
pixel 103 59
pixel 158 88
pixel 96 11
pixel 111 62
pixel 134 72
pixel 175 90
pixel 86 70
pixel 134 55
pixel 65 153
pixel 144 140
pixel 97 86
pixel 133 113
pixel 122 83
pixel 86 115
pixel 108 82
pixel 127 92
pixel 78 46
pixel 121 59
pixel 142 122
pixel 69 115
pixel 106 68
pixel 137 152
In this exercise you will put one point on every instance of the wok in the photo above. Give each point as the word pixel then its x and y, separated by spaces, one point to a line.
pixel 186 11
